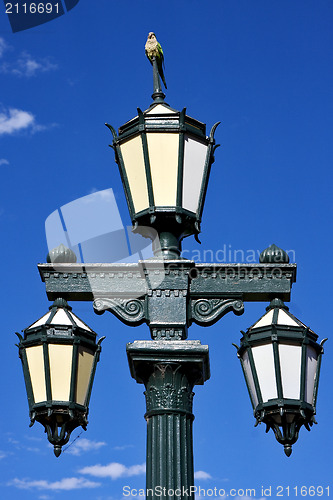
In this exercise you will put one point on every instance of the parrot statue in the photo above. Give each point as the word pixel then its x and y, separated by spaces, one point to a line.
pixel 154 49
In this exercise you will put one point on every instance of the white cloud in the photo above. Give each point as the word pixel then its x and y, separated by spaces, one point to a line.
pixel 27 66
pixel 201 474
pixel 2 453
pixel 13 120
pixel 82 445
pixel 114 470
pixel 67 483
pixel 3 161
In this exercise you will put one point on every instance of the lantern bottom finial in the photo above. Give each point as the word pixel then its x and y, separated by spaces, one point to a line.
pixel 57 450
pixel 288 449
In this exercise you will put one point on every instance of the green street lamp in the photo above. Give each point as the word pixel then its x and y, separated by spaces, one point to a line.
pixel 164 158
pixel 59 355
pixel 281 360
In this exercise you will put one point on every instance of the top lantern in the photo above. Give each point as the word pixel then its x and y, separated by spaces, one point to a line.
pixel 164 158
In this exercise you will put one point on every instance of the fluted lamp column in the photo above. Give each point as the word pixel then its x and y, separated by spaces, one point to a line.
pixel 169 370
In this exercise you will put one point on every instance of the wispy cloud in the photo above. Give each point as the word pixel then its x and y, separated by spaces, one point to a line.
pixel 201 474
pixel 14 120
pixel 3 161
pixel 68 483
pixel 27 66
pixel 123 447
pixel 2 453
pixel 83 445
pixel 114 470
pixel 3 46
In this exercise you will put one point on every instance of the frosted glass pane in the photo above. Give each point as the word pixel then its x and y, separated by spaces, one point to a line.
pixel 267 319
pixel 163 159
pixel 41 321
pixel 61 318
pixel 311 368
pixel 249 378
pixel 37 374
pixel 290 363
pixel 160 109
pixel 264 362
pixel 285 319
pixel 132 153
pixel 61 370
pixel 80 323
pixel 194 161
pixel 85 363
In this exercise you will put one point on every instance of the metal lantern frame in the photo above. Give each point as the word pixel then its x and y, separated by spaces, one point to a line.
pixel 175 219
pixel 285 416
pixel 58 417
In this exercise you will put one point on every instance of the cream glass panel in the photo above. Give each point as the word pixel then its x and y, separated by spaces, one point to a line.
pixel 249 378
pixel 264 362
pixel 132 153
pixel 290 363
pixel 311 368
pixel 163 158
pixel 37 373
pixel 85 364
pixel 61 370
pixel 194 162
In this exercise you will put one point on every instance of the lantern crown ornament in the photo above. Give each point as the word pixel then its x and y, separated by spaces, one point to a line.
pixel 281 361
pixel 59 355
pixel 164 158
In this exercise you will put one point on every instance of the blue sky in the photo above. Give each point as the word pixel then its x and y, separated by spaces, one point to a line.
pixel 264 69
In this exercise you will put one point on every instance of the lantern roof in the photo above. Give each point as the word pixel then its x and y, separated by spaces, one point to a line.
pixel 60 314
pixel 277 314
pixel 160 117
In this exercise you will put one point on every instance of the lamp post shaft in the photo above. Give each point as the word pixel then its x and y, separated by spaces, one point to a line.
pixel 169 370
pixel 169 432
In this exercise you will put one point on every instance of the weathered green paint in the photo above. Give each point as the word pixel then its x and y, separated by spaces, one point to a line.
pixel 251 282
pixel 168 295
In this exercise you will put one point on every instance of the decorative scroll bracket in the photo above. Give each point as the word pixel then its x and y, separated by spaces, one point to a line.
pixel 129 311
pixel 206 312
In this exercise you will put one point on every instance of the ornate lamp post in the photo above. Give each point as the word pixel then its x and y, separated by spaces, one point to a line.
pixel 164 158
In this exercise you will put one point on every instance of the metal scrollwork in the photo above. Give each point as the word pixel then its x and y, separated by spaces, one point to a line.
pixel 208 311
pixel 129 311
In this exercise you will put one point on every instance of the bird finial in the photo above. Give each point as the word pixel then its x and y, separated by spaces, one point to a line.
pixel 155 56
